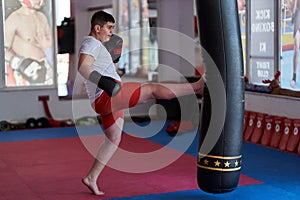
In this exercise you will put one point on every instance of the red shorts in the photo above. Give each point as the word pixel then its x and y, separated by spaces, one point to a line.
pixel 112 108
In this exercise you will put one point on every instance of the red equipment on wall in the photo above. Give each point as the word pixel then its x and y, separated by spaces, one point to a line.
pixel 268 130
pixel 294 137
pixel 250 126
pixel 277 133
pixel 259 128
pixel 287 128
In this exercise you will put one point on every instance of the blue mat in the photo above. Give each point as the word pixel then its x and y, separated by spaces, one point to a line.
pixel 278 170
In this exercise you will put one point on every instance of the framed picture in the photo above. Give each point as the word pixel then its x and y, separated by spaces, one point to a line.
pixel 29 39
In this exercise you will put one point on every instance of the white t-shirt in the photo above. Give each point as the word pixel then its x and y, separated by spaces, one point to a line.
pixel 103 64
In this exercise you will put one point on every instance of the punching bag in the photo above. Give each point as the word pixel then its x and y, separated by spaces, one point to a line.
pixel 219 154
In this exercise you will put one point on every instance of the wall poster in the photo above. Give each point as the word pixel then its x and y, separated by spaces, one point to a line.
pixel 29 44
pixel 262 43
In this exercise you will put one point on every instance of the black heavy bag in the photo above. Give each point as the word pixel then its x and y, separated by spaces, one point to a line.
pixel 221 122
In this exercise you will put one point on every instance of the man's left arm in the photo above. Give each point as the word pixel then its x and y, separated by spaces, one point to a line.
pixel 43 40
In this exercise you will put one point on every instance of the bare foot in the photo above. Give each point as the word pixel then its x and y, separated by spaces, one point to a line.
pixel 92 185
pixel 293 83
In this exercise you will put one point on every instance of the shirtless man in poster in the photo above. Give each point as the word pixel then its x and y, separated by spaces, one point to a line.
pixel 28 44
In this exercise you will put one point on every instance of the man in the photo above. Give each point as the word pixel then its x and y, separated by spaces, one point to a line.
pixel 109 96
pixel 28 46
pixel 295 9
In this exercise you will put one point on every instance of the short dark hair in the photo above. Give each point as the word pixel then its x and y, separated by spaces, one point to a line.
pixel 101 18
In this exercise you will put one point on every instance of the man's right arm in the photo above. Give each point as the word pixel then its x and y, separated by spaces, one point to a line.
pixel 108 84
pixel 84 65
pixel 10 32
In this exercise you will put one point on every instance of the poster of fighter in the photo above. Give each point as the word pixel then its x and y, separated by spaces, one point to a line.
pixel 28 43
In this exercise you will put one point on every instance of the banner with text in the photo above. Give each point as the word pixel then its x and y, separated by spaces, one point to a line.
pixel 261 40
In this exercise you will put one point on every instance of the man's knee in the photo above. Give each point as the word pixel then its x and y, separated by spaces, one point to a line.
pixel 114 138
pixel 114 132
